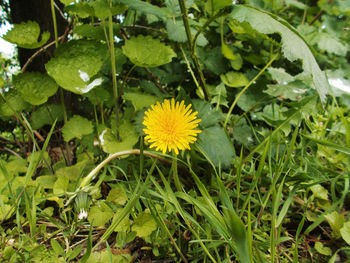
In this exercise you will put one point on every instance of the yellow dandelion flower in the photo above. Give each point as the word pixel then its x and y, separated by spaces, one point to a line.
pixel 171 126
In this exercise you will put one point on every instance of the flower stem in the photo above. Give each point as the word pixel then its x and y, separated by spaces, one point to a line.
pixel 175 174
pixel 112 55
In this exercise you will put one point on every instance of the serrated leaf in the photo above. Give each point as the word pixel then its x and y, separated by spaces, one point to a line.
pixel 293 45
pixel 234 79
pixel 176 30
pixel 14 99
pixel 35 87
pixel 117 195
pixel 144 224
pixel 345 232
pixel 145 51
pixel 76 127
pixel 75 63
pixel 26 35
pixel 46 115
pixel 100 214
pixel 140 100
pixel 127 134
pixel 217 146
pixel 320 248
pixel 336 221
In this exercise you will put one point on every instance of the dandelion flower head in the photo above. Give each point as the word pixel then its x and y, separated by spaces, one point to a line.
pixel 171 126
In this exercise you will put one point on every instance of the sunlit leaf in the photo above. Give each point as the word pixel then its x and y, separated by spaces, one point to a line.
pixel 75 63
pixel 26 35
pixel 76 127
pixel 145 51
pixel 144 224
pixel 35 87
pixel 124 140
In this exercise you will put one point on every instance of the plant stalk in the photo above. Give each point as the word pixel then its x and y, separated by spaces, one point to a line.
pixel 112 54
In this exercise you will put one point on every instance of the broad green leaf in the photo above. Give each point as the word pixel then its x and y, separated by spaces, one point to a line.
pixel 140 100
pixel 102 10
pixel 46 115
pixel 72 172
pixel 100 214
pixel 81 9
pixel 90 31
pixel 296 4
pixel 320 248
pixel 76 127
pixel 217 146
pixel 127 135
pixel 61 185
pixel 100 95
pixel 213 59
pixel 319 191
pixel 280 75
pixel 35 87
pixel 237 63
pixel 336 221
pixel 234 79
pixel 292 91
pixel 208 116
pixel 176 30
pixel 144 224
pixel 345 232
pixel 145 51
pixel 26 35
pixel 145 7
pixel 46 181
pixel 331 45
pixel 106 256
pixel 227 52
pixel 242 133
pixel 75 63
pixel 293 45
pixel 212 6
pixel 117 195
pixel 67 2
pixel 14 99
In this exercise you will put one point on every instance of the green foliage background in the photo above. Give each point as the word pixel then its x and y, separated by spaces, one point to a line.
pixel 268 178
